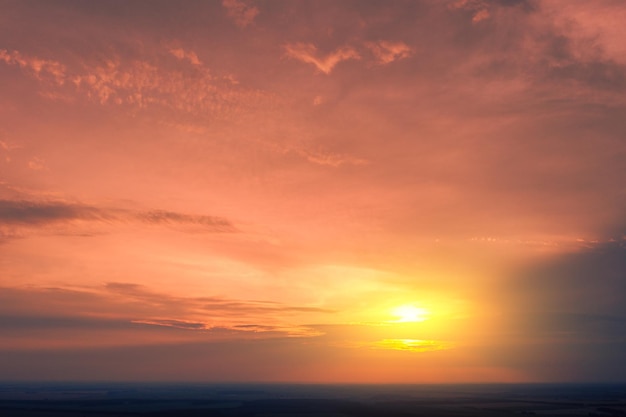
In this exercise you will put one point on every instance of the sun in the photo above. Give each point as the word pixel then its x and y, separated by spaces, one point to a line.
pixel 409 313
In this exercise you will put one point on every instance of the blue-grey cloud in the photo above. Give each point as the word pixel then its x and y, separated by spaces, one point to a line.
pixel 116 303
pixel 37 213
pixel 40 213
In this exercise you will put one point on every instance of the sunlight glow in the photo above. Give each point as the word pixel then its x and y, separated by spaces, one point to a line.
pixel 409 313
pixel 413 345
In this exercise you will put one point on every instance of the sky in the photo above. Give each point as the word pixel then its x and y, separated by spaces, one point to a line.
pixel 428 191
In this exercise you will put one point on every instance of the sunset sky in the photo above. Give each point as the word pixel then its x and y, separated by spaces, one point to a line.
pixel 313 191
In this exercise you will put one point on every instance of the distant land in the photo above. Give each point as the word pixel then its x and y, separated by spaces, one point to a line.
pixel 19 399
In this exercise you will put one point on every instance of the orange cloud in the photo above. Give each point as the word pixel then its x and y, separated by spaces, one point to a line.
pixel 144 84
pixel 387 52
pixel 482 14
pixel 131 303
pixel 36 164
pixel 40 68
pixel 241 11
pixel 185 55
pixel 478 8
pixel 307 52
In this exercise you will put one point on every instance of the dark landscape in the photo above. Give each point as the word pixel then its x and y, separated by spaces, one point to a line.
pixel 269 400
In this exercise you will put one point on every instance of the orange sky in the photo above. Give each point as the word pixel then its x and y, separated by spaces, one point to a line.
pixel 313 191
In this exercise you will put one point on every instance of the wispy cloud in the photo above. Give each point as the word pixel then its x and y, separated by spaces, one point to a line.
pixel 187 87
pixel 169 217
pixel 481 10
pixel 315 155
pixel 382 52
pixel 478 9
pixel 37 213
pixel 39 67
pixel 179 324
pixel 387 52
pixel 242 12
pixel 307 52
pixel 120 305
pixel 182 54
pixel 7 146
pixel 330 159
pixel 209 305
pixel 37 164
pixel 41 213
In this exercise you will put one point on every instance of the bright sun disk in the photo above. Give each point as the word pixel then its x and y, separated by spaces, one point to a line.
pixel 408 313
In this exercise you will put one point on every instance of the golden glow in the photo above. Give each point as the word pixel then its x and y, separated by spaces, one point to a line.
pixel 409 313
pixel 413 345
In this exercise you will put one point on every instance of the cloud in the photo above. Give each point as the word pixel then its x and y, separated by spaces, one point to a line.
pixel 313 154
pixel 242 308
pixel 478 8
pixel 600 26
pixel 387 52
pixel 36 164
pixel 7 146
pixel 145 83
pixel 191 93
pixel 169 217
pixel 482 14
pixel 483 9
pixel 34 213
pixel 319 157
pixel 563 59
pixel 307 52
pixel 384 52
pixel 179 324
pixel 241 11
pixel 21 321
pixel 185 55
pixel 38 213
pixel 41 68
pixel 118 305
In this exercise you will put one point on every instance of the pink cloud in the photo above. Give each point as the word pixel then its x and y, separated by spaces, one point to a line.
pixel 307 52
pixel 185 55
pixel 387 52
pixel 329 158
pixel 131 303
pixel 36 164
pixel 142 83
pixel 603 23
pixel 241 11
pixel 38 66
pixel 314 155
pixel 482 14
pixel 478 8
pixel 8 146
